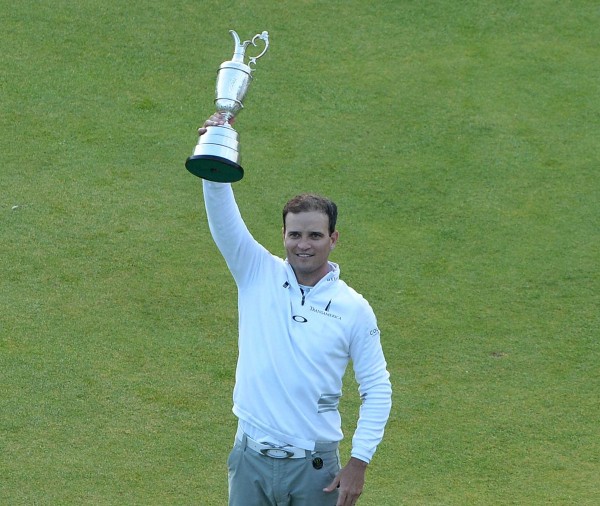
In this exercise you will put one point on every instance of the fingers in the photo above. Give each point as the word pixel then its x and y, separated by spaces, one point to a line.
pixel 348 494
pixel 215 120
pixel 333 485
pixel 346 499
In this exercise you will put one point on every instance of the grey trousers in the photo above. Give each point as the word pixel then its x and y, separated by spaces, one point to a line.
pixel 259 480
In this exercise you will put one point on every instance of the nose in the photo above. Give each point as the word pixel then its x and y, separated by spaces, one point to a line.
pixel 303 244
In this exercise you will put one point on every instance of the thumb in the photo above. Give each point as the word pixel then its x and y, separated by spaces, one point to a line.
pixel 333 485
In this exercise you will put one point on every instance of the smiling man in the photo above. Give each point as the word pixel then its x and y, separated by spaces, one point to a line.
pixel 309 235
pixel 299 327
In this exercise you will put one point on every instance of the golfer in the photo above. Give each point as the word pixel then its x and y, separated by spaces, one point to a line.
pixel 299 327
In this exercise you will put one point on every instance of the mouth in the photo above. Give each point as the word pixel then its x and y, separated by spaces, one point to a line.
pixel 303 255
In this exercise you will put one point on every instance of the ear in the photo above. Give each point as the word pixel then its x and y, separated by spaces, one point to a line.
pixel 334 239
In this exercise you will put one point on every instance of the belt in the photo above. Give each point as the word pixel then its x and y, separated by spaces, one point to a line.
pixel 284 452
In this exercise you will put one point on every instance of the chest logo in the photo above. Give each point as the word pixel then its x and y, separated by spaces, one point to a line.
pixel 325 313
pixel 299 319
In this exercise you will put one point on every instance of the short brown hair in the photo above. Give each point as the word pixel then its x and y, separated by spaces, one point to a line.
pixel 312 202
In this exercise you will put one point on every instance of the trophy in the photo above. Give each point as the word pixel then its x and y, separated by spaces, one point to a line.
pixel 217 155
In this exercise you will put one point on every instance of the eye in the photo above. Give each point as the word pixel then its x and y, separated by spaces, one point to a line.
pixel 316 235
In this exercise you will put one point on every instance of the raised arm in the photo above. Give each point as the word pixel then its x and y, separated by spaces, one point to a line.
pixel 230 233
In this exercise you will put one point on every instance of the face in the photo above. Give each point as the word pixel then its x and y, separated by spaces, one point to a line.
pixel 308 244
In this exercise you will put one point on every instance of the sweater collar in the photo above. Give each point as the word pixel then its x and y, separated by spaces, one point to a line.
pixel 332 275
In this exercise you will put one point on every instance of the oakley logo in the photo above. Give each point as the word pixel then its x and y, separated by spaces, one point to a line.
pixel 299 319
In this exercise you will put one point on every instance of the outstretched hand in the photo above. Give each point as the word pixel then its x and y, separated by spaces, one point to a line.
pixel 216 119
pixel 350 482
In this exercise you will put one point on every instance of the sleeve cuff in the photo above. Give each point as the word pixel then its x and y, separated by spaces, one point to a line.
pixel 361 455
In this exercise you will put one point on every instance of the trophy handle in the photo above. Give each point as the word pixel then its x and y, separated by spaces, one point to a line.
pixel 240 47
pixel 265 38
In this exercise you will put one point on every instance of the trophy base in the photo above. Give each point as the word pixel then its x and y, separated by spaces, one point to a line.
pixel 214 168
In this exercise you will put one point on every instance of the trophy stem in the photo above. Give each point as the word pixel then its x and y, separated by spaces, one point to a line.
pixel 227 116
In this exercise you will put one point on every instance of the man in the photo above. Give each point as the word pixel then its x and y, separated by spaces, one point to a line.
pixel 299 326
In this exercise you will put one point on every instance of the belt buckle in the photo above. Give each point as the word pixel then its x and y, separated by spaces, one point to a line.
pixel 277 453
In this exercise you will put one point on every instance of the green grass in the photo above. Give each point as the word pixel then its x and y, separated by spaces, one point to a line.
pixel 459 140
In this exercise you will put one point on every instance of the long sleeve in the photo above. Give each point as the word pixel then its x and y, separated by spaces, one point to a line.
pixel 375 389
pixel 238 247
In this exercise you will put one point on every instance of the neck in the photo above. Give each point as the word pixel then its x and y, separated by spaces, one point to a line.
pixel 313 278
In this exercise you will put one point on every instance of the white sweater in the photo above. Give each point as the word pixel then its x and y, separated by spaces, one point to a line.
pixel 294 349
